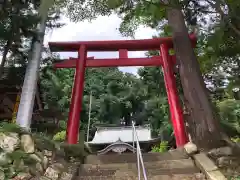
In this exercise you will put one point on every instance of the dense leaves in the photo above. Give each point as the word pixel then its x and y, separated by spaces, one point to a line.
pixel 115 95
pixel 17 30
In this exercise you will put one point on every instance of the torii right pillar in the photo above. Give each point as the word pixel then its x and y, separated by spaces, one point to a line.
pixel 173 98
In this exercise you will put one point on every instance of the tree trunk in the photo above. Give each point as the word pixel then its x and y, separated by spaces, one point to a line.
pixel 128 119
pixel 4 57
pixel 204 124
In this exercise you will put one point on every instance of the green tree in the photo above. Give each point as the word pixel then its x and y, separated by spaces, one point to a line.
pixel 229 110
pixel 116 95
pixel 207 132
pixel 17 29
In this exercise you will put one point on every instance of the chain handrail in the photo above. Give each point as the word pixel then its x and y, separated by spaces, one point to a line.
pixel 139 154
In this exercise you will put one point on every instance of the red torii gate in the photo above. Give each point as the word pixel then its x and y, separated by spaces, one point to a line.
pixel 122 46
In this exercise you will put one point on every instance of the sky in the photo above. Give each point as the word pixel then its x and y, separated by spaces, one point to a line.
pixel 103 28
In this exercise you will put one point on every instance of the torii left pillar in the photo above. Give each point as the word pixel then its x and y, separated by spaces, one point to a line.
pixel 76 99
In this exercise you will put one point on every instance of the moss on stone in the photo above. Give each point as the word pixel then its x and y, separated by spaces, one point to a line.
pixel 44 143
pixel 23 161
pixel 11 128
pixel 17 155
pixel 73 150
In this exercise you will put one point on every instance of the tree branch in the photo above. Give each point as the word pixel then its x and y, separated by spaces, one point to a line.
pixel 224 16
pixel 165 3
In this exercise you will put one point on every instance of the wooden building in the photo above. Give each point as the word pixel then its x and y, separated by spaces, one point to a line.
pixel 10 92
pixel 119 139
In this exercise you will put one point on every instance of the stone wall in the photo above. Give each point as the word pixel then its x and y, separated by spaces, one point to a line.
pixel 228 161
pixel 224 160
pixel 26 156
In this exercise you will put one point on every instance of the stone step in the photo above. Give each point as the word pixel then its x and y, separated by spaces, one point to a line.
pixel 196 176
pixel 130 157
pixel 190 170
pixel 183 166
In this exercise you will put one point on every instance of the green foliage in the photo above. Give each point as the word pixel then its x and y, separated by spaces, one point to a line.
pixel 162 147
pixel 229 111
pixel 6 127
pixel 115 94
pixel 60 136
pixel 57 87
pixel 234 178
pixel 17 29
pixel 19 155
pixel 87 10
pixel 44 142
pixel 9 127
pixel 236 139
pixel 76 151
pixel 62 125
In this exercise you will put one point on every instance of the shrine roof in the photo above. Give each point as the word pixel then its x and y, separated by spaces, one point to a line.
pixel 114 45
pixel 108 135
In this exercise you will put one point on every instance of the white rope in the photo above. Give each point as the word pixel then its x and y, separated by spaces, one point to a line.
pixel 139 155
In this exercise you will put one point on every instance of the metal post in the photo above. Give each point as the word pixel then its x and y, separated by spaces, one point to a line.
pixel 138 163
pixel 24 114
pixel 173 99
pixel 89 115
pixel 76 101
pixel 133 139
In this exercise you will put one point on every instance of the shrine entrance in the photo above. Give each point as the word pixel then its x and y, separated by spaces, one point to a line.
pixel 122 46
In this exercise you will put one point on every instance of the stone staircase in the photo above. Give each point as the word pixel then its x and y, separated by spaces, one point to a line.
pixel 172 165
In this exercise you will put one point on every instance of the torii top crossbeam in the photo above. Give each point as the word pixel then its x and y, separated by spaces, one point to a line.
pixel 130 45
